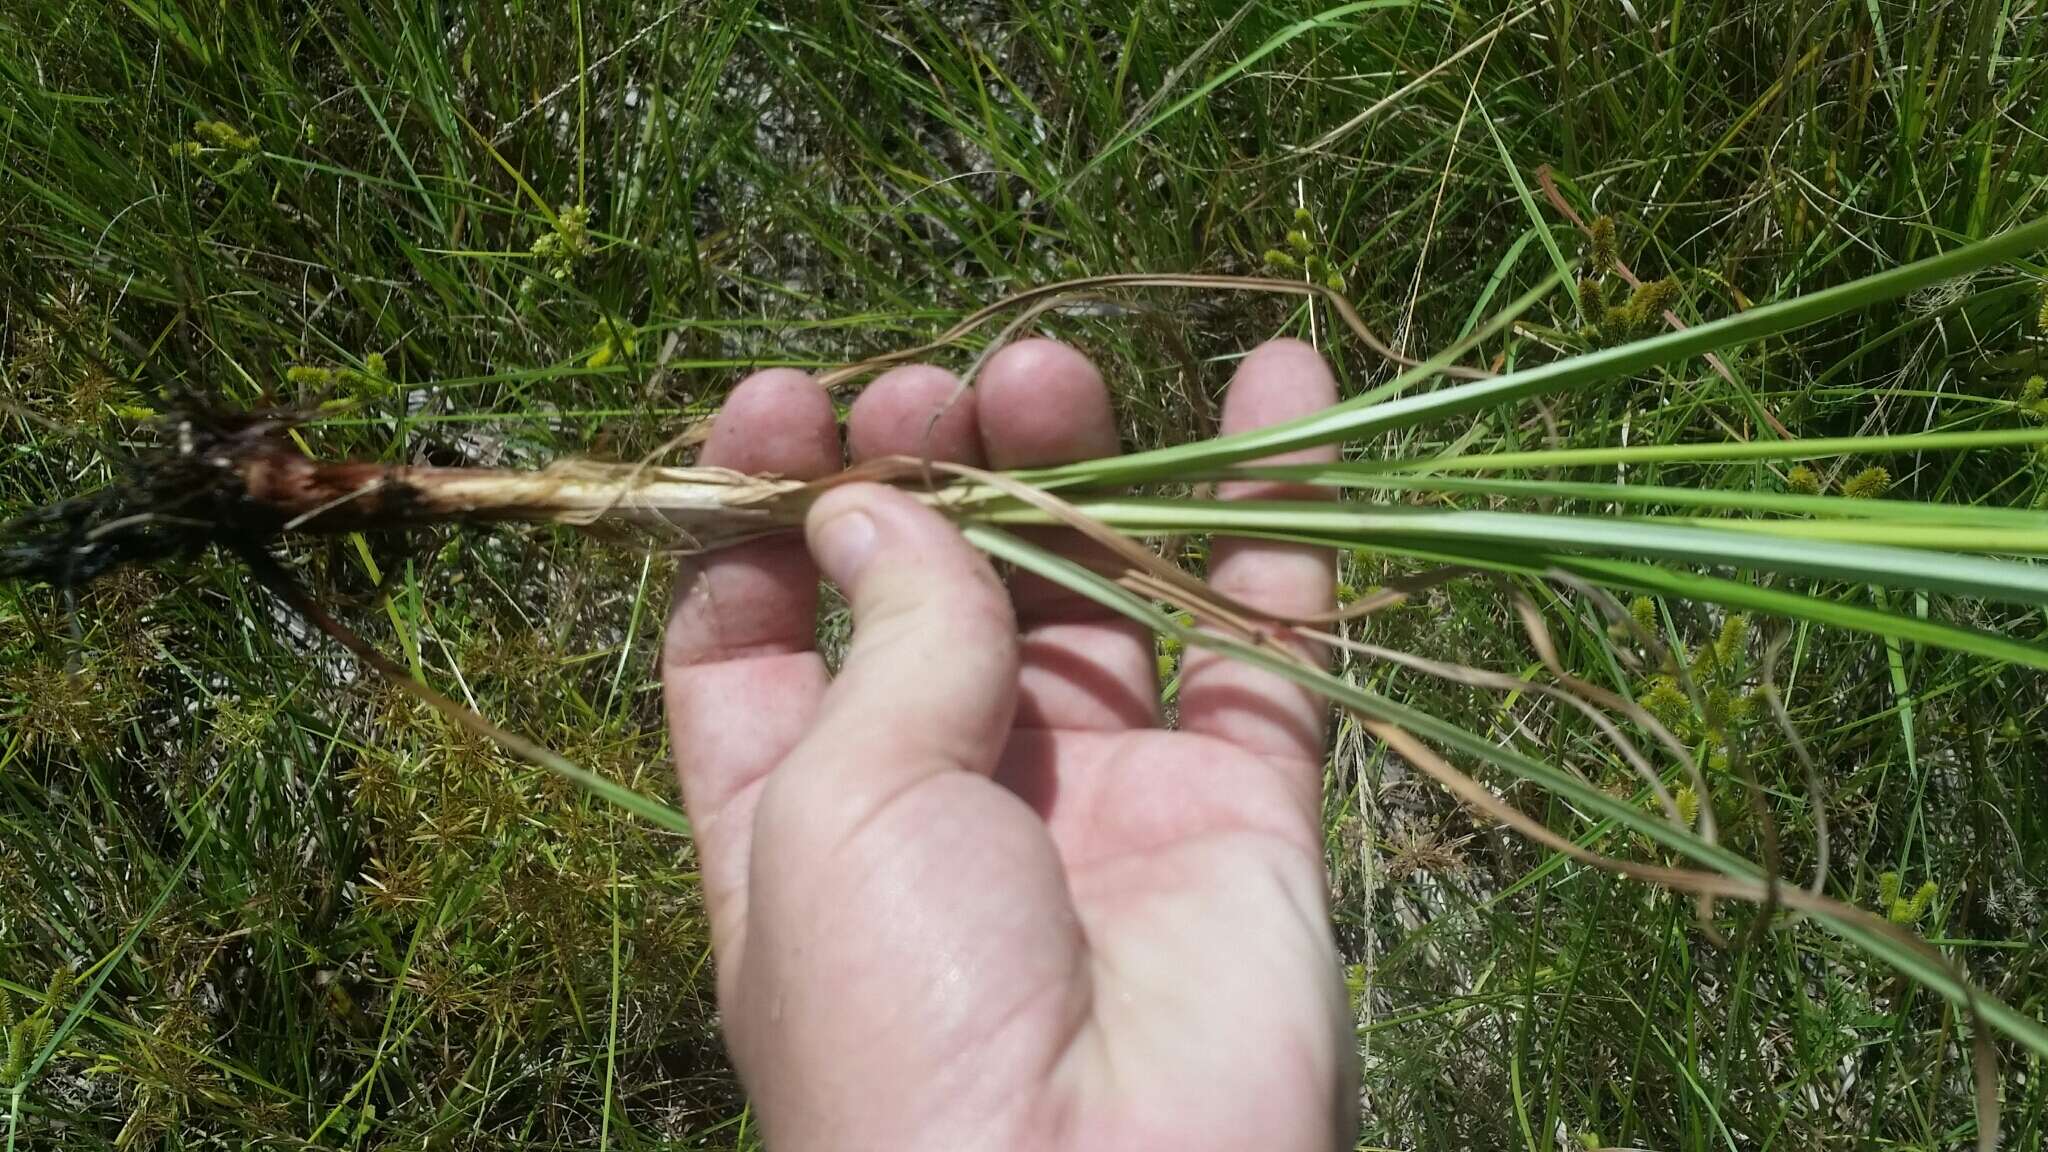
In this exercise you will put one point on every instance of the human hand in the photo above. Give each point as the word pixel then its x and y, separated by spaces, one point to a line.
pixel 969 894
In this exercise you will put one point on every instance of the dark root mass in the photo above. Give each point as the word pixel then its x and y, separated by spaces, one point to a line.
pixel 231 481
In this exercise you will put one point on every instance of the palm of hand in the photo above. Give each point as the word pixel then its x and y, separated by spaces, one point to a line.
pixel 972 895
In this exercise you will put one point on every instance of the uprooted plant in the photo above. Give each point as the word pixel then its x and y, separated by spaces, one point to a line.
pixel 240 483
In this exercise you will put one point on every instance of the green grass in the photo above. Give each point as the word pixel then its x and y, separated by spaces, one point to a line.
pixel 297 907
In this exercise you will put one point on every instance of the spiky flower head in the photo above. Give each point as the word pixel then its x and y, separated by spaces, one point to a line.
pixel 1644 611
pixel 1593 300
pixel 1647 304
pixel 1688 805
pixel 1868 484
pixel 221 134
pixel 1602 244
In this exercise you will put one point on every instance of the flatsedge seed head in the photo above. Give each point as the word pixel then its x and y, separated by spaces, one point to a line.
pixel 374 367
pixel 17 1056
pixel 1298 240
pixel 1648 303
pixel 1868 484
pixel 1603 243
pixel 1334 281
pixel 1303 218
pixel 309 376
pixel 1888 888
pixel 1732 640
pixel 1914 907
pixel 1803 480
pixel 1275 258
pixel 1643 611
pixel 221 134
pixel 1688 805
pixel 2035 388
pixel 2041 317
pixel 1593 300
pixel 1667 702
pixel 1718 704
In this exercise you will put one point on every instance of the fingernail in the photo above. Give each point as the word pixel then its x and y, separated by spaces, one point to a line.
pixel 843 545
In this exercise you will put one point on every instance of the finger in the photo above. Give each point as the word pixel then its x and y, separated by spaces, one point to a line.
pixel 929 684
pixel 1279 381
pixel 916 410
pixel 740 679
pixel 1084 666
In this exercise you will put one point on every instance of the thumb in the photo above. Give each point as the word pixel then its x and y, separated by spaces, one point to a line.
pixel 930 683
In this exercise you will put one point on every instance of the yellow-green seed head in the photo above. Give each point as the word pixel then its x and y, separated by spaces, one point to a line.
pixel 1644 611
pixel 374 367
pixel 2041 318
pixel 221 134
pixel 1667 702
pixel 1334 281
pixel 1303 218
pixel 1688 805
pixel 1275 258
pixel 35 1029
pixel 17 1056
pixel 1732 640
pixel 1888 889
pixel 186 150
pixel 58 991
pixel 1914 907
pixel 2035 388
pixel 1867 484
pixel 1802 480
pixel 1298 240
pixel 309 376
pixel 1716 702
